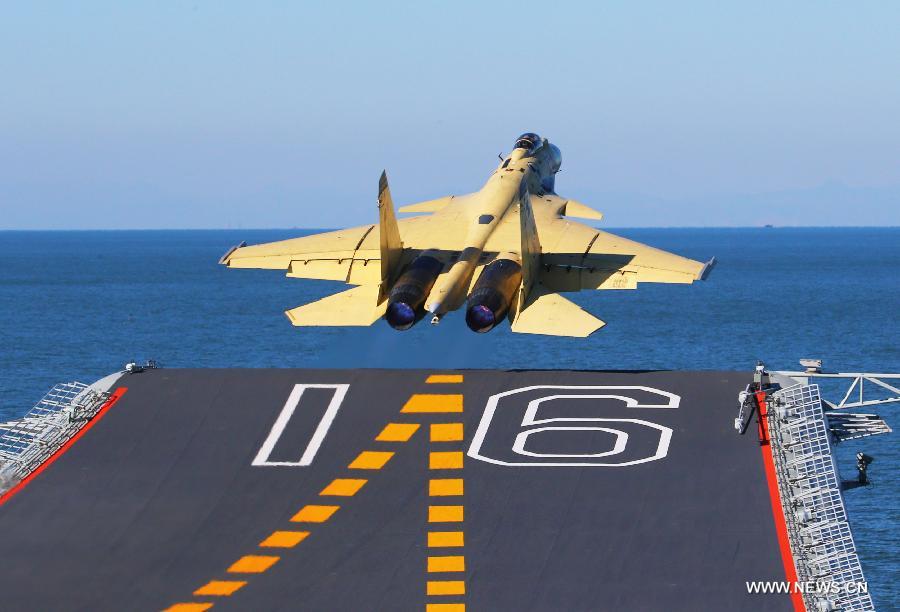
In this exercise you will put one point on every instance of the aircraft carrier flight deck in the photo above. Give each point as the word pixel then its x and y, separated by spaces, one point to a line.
pixel 195 489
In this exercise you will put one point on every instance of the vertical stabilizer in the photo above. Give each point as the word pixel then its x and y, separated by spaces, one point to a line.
pixel 391 246
pixel 531 250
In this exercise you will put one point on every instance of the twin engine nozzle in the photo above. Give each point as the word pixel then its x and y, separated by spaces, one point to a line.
pixel 486 306
pixel 493 294
pixel 410 292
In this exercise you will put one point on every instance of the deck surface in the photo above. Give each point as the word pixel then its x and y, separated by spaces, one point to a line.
pixel 543 490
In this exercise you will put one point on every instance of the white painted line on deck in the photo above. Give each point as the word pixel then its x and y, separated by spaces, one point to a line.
pixel 284 417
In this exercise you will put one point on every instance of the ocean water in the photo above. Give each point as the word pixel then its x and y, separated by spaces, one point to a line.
pixel 77 305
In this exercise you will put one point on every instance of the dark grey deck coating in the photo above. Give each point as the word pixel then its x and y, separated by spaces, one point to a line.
pixel 160 497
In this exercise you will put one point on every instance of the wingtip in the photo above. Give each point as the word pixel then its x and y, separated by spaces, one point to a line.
pixel 224 259
pixel 290 316
pixel 707 268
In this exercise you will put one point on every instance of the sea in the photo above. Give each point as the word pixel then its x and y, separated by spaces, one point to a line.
pixel 77 305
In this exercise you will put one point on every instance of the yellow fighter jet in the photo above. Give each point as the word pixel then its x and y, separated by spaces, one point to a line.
pixel 507 250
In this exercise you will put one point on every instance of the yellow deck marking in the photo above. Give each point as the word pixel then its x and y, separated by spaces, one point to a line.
pixel 445 460
pixel 445 539
pixel 315 513
pixel 447 432
pixel 434 402
pixel 284 539
pixel 397 432
pixel 444 378
pixel 344 487
pixel 445 607
pixel 252 564
pixel 371 460
pixel 442 487
pixel 445 587
pixel 456 563
pixel 440 434
pixel 312 513
pixel 220 587
pixel 445 514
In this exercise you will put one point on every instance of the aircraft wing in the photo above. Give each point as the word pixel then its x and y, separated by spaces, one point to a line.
pixel 367 256
pixel 354 255
pixel 613 262
pixel 351 255
pixel 575 256
pixel 646 263
pixel 325 256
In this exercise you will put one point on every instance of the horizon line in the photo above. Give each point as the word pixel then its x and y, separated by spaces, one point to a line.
pixel 329 229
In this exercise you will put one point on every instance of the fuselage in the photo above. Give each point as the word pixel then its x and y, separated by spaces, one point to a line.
pixel 533 160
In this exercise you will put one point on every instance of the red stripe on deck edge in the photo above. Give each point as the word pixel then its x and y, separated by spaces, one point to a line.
pixel 106 406
pixel 784 544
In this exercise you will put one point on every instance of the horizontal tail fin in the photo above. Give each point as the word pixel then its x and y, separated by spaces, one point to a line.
pixel 354 307
pixel 551 314
pixel 582 211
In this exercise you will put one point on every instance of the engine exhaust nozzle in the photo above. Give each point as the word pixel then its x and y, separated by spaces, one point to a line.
pixel 492 295
pixel 409 293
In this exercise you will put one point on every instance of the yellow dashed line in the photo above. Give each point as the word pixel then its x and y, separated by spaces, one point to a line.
pixel 455 563
pixel 434 402
pixel 312 513
pixel 445 460
pixel 252 564
pixel 445 514
pixel 371 460
pixel 188 607
pixel 442 487
pixel 443 433
pixel 344 487
pixel 220 587
pixel 397 432
pixel 447 432
pixel 444 378
pixel 284 539
pixel 445 587
pixel 445 539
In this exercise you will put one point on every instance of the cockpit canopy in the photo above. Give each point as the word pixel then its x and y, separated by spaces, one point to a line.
pixel 528 141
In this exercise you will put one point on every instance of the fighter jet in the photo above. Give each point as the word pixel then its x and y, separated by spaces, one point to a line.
pixel 506 251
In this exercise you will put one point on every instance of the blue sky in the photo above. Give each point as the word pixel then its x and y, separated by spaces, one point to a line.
pixel 217 114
